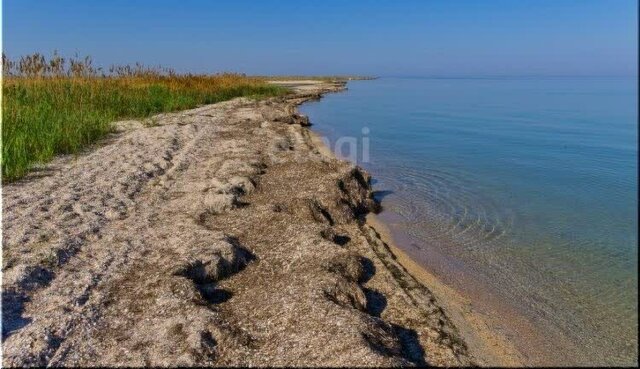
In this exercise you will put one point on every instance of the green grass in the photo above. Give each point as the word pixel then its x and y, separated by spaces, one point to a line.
pixel 43 116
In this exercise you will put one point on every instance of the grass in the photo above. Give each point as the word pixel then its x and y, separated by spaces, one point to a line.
pixel 57 106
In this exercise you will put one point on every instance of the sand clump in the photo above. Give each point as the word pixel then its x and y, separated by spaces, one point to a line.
pixel 221 235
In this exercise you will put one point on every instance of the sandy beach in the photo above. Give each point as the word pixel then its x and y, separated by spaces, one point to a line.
pixel 319 184
pixel 222 235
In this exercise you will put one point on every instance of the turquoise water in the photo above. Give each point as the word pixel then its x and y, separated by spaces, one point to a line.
pixel 525 186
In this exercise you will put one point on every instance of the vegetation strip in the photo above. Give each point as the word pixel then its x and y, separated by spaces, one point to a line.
pixel 54 106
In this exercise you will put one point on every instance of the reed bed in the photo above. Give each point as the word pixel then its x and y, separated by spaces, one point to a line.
pixel 55 105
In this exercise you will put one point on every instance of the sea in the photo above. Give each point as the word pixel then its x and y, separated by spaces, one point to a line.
pixel 521 193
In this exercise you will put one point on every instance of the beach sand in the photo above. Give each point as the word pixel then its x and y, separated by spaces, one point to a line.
pixel 222 235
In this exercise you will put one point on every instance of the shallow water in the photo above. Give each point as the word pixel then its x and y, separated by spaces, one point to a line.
pixel 525 186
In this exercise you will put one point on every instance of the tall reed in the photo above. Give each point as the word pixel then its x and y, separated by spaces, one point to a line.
pixel 57 105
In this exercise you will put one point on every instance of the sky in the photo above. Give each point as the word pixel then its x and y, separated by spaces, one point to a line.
pixel 382 38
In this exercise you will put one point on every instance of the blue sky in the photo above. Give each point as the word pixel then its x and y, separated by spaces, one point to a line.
pixel 420 38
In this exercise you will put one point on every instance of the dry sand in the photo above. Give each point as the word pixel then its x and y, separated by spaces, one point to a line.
pixel 222 235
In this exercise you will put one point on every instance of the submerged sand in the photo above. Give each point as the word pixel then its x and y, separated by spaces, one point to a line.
pixel 222 235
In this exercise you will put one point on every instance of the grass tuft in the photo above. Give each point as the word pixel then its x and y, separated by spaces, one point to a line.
pixel 59 106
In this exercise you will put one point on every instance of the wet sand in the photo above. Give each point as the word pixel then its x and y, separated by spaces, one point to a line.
pixel 489 347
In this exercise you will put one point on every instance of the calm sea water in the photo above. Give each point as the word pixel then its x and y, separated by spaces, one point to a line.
pixel 526 186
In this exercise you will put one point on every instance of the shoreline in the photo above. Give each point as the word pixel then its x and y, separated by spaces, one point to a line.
pixel 222 235
pixel 498 331
pixel 487 346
